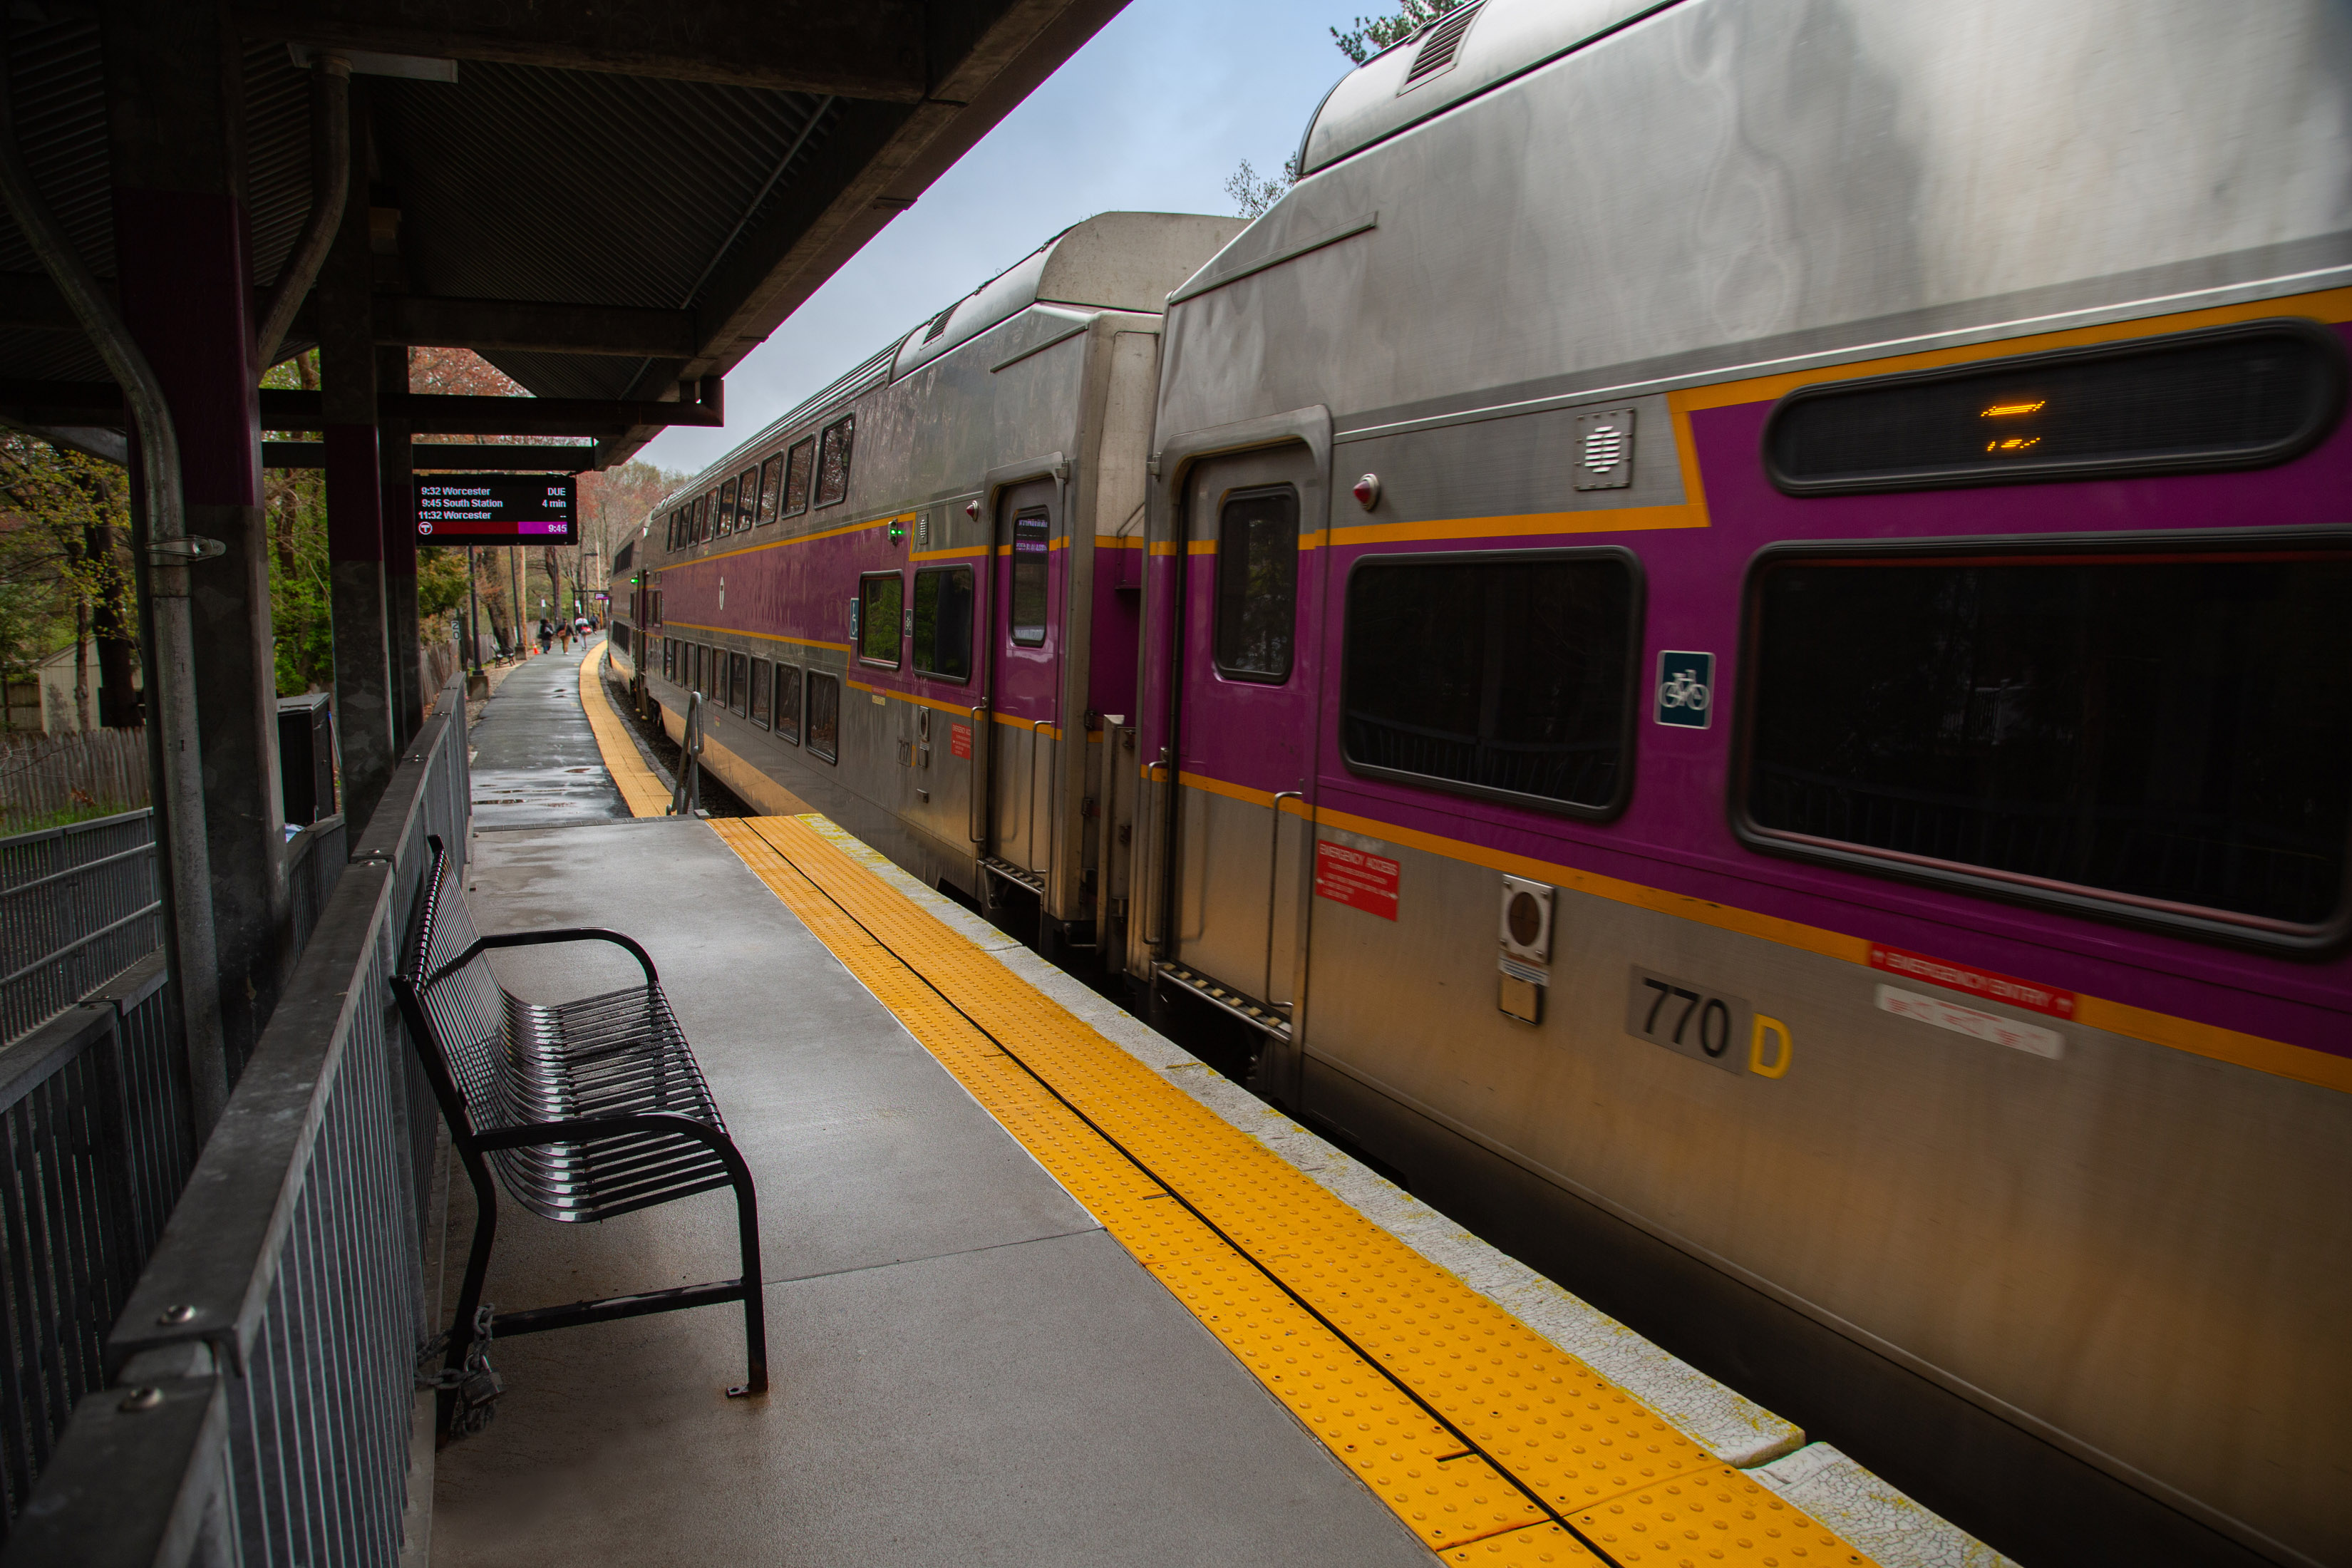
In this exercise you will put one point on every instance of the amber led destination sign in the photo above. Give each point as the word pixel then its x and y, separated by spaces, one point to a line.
pixel 495 508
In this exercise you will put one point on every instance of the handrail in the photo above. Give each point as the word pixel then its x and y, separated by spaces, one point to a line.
pixel 1273 858
pixel 1044 898
pixel 686 800
pixel 976 807
pixel 261 1369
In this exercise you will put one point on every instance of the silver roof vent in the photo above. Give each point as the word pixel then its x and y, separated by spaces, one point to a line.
pixel 1439 46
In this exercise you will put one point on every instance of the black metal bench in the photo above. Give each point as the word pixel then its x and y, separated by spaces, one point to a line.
pixel 584 1110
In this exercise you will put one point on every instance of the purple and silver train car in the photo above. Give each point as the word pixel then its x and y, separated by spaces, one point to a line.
pixel 913 602
pixel 1747 682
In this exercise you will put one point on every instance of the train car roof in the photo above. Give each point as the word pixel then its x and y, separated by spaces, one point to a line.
pixel 1112 261
pixel 1459 56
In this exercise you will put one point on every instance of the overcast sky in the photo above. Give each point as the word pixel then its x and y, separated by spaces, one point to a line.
pixel 1151 115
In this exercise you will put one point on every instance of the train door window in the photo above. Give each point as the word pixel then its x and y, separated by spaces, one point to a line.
pixel 824 716
pixel 738 684
pixel 1257 584
pixel 1504 675
pixel 760 672
pixel 788 702
pixel 881 600
pixel 669 659
pixel 833 460
pixel 943 622
pixel 800 464
pixel 1032 555
pixel 727 507
pixel 771 488
pixel 2148 731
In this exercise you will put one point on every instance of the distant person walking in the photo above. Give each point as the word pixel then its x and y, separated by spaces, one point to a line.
pixel 546 637
pixel 564 634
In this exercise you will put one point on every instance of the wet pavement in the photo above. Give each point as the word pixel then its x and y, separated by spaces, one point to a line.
pixel 535 758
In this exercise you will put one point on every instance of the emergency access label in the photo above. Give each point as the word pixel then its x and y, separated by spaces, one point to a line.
pixel 1974 981
pixel 1351 877
pixel 959 740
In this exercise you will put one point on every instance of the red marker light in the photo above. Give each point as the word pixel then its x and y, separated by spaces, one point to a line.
pixel 1367 490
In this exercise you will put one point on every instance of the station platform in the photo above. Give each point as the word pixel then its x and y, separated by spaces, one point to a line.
pixel 1041 1287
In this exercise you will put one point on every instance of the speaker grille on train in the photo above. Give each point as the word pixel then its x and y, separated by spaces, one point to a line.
pixel 1438 47
pixel 2239 396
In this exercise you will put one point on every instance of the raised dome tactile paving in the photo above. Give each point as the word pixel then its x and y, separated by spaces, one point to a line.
pixel 1493 1444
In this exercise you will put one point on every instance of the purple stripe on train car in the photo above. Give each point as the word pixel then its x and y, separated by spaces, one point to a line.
pixel 1675 835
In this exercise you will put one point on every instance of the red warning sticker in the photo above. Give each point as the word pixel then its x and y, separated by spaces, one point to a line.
pixel 960 740
pixel 1361 881
pixel 1974 981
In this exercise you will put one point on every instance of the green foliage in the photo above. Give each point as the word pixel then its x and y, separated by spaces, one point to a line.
pixel 64 565
pixel 1372 33
pixel 1254 192
pixel 440 589
pixel 301 595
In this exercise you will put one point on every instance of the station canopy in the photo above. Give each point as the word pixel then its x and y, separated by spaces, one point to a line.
pixel 605 200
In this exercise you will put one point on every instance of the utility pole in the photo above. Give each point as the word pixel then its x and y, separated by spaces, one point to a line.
pixel 474 615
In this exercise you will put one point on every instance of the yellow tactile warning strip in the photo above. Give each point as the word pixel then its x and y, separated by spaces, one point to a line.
pixel 1491 1443
pixel 640 790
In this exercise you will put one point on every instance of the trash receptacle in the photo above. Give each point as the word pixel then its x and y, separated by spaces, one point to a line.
pixel 306 757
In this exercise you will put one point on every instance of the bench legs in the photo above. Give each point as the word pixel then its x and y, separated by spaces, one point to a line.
pixel 746 1288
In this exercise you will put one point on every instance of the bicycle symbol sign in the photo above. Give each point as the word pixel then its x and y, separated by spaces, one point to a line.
pixel 1686 690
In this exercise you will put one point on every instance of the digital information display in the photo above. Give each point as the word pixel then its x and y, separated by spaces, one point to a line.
pixel 495 508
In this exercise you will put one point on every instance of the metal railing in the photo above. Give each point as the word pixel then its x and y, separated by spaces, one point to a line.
pixel 261 1376
pixel 77 905
pixel 95 1145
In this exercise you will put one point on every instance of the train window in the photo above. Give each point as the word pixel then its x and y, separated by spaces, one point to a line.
pixel 943 622
pixel 710 515
pixel 1502 674
pixel 798 465
pixel 747 500
pixel 2148 730
pixel 738 683
pixel 788 702
pixel 669 659
pixel 726 507
pixel 718 690
pixel 833 460
pixel 1257 584
pixel 772 488
pixel 761 673
pixel 2237 396
pixel 1032 557
pixel 881 599
pixel 824 716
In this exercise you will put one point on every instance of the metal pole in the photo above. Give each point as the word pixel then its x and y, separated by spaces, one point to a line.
pixel 514 575
pixel 474 615
pixel 161 553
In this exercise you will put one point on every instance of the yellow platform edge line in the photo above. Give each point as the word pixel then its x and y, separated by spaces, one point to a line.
pixel 641 792
pixel 1445 1495
pixel 1564 1432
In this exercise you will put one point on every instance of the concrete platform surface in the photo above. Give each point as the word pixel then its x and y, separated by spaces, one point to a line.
pixel 536 762
pixel 967 1369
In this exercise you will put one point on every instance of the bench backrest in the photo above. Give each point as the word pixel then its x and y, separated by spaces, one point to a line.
pixel 457 1013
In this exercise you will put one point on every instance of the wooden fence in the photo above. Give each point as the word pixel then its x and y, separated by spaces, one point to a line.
pixel 45 774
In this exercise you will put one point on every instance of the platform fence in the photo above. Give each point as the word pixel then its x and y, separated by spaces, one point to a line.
pixel 260 1375
pixel 76 904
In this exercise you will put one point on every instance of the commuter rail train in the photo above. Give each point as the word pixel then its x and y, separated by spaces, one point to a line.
pixel 1728 649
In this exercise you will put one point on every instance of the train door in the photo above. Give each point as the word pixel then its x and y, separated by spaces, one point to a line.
pixel 1025 637
pixel 1247 681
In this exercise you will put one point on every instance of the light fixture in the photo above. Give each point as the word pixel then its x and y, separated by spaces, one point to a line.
pixel 1367 490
